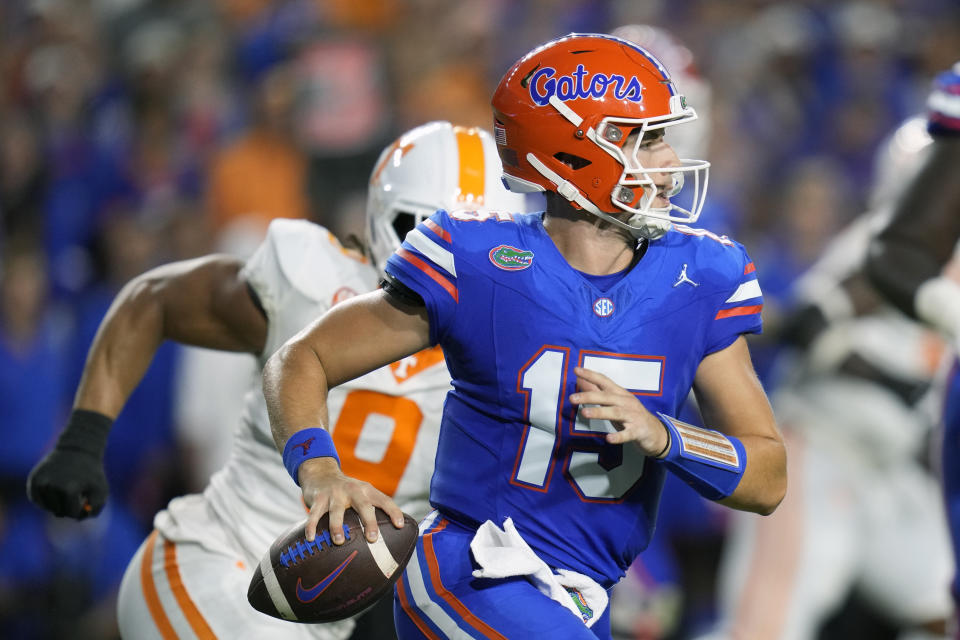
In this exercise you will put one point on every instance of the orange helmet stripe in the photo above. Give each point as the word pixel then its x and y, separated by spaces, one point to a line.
pixel 395 152
pixel 472 178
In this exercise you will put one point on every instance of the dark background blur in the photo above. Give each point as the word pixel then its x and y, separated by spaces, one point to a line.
pixel 135 132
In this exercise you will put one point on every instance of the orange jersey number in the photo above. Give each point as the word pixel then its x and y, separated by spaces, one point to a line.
pixel 367 415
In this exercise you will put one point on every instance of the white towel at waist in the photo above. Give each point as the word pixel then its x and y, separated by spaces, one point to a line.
pixel 503 553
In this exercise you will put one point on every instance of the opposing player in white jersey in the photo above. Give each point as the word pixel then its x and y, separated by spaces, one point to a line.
pixel 862 514
pixel 190 577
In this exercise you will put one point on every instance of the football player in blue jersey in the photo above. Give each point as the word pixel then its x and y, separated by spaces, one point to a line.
pixel 907 261
pixel 573 337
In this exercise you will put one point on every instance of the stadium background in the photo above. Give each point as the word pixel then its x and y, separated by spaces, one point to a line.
pixel 135 132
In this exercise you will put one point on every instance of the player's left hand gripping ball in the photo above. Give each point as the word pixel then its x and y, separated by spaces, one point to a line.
pixel 320 582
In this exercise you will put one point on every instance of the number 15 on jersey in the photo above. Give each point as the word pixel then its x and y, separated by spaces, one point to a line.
pixel 594 476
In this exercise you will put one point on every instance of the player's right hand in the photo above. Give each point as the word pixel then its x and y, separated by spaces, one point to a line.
pixel 606 400
pixel 327 490
pixel 67 482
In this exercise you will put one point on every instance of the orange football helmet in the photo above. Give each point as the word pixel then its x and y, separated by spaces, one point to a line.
pixel 563 115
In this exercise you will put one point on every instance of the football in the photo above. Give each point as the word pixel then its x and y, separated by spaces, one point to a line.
pixel 321 582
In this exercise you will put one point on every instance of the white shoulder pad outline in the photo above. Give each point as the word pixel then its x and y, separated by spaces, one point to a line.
pixel 703 233
pixel 309 257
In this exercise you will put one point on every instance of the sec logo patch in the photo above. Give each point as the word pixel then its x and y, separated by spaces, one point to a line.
pixel 603 307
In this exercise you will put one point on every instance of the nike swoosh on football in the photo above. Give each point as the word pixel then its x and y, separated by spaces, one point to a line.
pixel 311 594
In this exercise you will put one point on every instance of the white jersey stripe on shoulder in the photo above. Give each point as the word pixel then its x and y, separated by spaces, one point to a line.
pixel 946 103
pixel 429 608
pixel 746 291
pixel 273 588
pixel 440 256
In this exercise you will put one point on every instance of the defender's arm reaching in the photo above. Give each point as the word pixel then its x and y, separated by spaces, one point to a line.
pixel 203 302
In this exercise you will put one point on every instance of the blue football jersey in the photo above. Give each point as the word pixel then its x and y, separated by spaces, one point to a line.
pixel 514 319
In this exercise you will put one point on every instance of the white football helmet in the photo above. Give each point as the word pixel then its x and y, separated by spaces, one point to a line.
pixel 433 166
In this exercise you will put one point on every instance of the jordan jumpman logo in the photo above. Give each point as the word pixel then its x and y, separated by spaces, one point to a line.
pixel 683 278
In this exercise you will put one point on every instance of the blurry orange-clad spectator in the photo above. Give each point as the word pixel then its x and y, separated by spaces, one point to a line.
pixel 457 91
pixel 262 174
pixel 370 15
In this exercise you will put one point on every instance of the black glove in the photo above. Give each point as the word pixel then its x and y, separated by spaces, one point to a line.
pixel 69 481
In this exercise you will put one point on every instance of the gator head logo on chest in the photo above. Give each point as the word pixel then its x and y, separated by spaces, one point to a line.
pixel 510 258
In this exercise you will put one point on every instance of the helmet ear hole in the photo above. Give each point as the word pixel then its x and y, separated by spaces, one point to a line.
pixel 404 223
pixel 573 161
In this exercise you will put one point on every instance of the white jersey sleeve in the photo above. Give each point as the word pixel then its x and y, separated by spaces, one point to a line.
pixel 299 272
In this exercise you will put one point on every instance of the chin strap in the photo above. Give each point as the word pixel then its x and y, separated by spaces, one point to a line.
pixel 639 226
pixel 647 227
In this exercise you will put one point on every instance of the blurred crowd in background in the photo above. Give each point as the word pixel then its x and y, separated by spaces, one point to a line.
pixel 136 132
